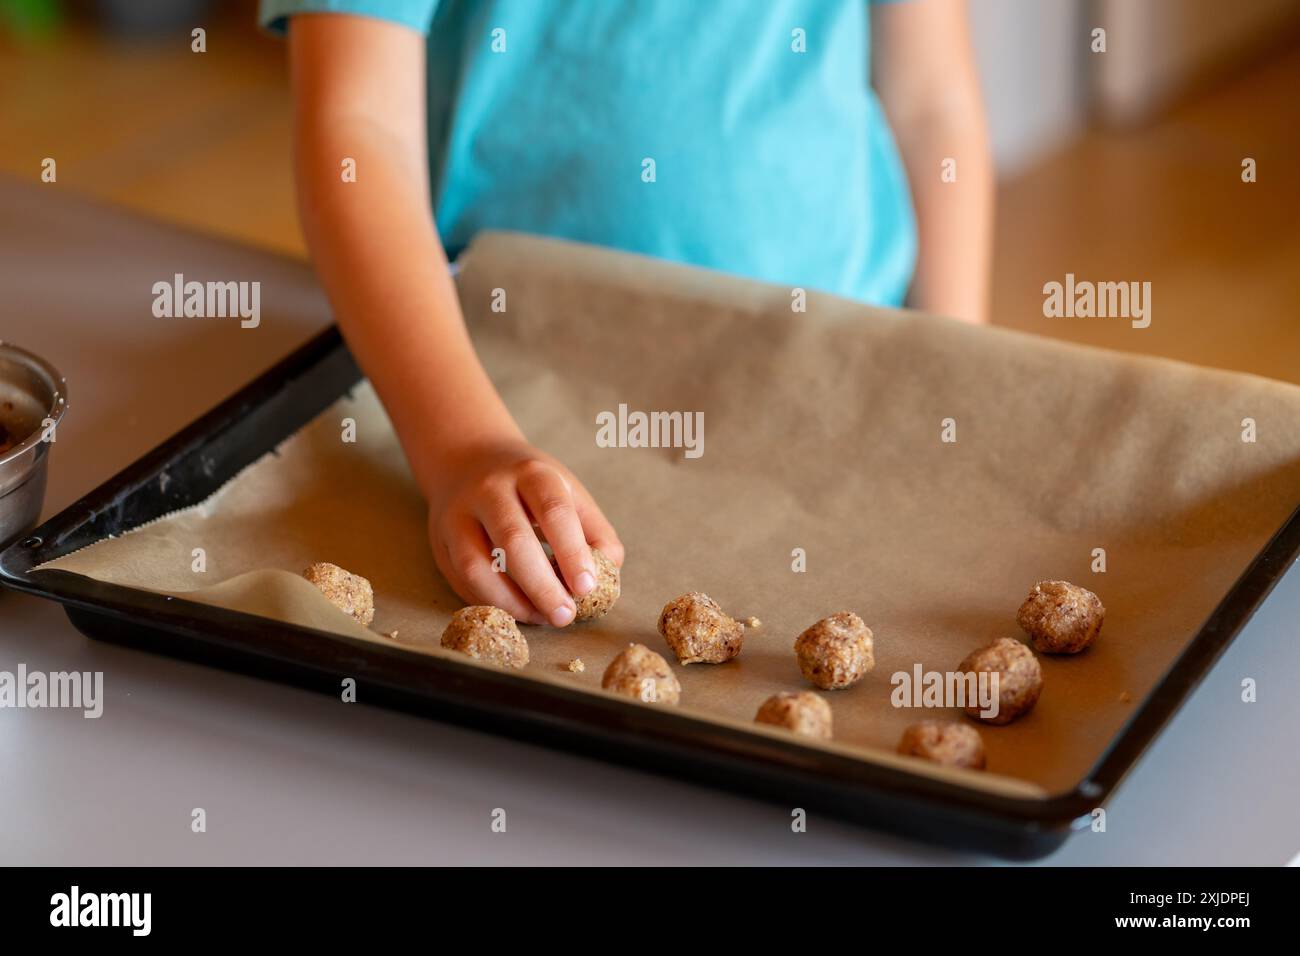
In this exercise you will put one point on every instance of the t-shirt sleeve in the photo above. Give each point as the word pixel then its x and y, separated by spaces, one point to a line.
pixel 274 15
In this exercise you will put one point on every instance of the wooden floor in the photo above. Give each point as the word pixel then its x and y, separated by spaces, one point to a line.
pixel 202 140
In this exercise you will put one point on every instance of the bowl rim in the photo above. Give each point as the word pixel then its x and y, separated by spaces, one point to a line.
pixel 58 404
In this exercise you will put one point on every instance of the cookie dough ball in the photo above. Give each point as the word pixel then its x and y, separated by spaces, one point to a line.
pixel 641 673
pixel 835 652
pixel 699 631
pixel 805 713
pixel 1060 617
pixel 597 602
pixel 1020 679
pixel 350 593
pixel 486 633
pixel 945 742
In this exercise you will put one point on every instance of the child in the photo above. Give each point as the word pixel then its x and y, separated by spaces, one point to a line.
pixel 739 135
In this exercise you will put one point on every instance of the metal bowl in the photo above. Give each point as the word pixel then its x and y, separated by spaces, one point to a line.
pixel 33 398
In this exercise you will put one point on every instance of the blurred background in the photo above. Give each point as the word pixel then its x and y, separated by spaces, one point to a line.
pixel 1116 166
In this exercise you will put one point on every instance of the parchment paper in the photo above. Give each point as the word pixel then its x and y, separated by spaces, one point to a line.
pixel 822 432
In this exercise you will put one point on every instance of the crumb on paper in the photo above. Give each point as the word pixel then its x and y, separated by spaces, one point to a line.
pixel 752 622
pixel 575 666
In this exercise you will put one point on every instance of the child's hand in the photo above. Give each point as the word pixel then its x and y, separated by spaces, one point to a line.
pixel 492 499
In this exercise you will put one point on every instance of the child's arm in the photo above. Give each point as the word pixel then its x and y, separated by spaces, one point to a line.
pixel 924 74
pixel 358 91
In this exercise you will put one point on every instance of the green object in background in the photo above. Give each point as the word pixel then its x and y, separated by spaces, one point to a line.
pixel 31 18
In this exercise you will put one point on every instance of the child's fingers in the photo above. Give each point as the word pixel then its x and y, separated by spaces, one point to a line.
pixel 468 568
pixel 508 526
pixel 599 532
pixel 547 496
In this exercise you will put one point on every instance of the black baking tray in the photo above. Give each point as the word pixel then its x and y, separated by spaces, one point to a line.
pixel 192 464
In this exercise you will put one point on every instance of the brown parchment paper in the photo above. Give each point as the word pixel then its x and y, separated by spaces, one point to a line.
pixel 821 432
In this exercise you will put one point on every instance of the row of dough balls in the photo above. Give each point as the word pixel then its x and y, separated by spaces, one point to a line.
pixel 490 634
pixel 353 595
pixel 832 654
pixel 838 651
pixel 1059 618
pixel 641 673
pixel 696 629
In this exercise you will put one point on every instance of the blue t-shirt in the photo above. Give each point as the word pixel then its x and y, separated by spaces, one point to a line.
pixel 739 135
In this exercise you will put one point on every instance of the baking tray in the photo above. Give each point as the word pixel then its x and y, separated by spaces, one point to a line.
pixel 202 457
